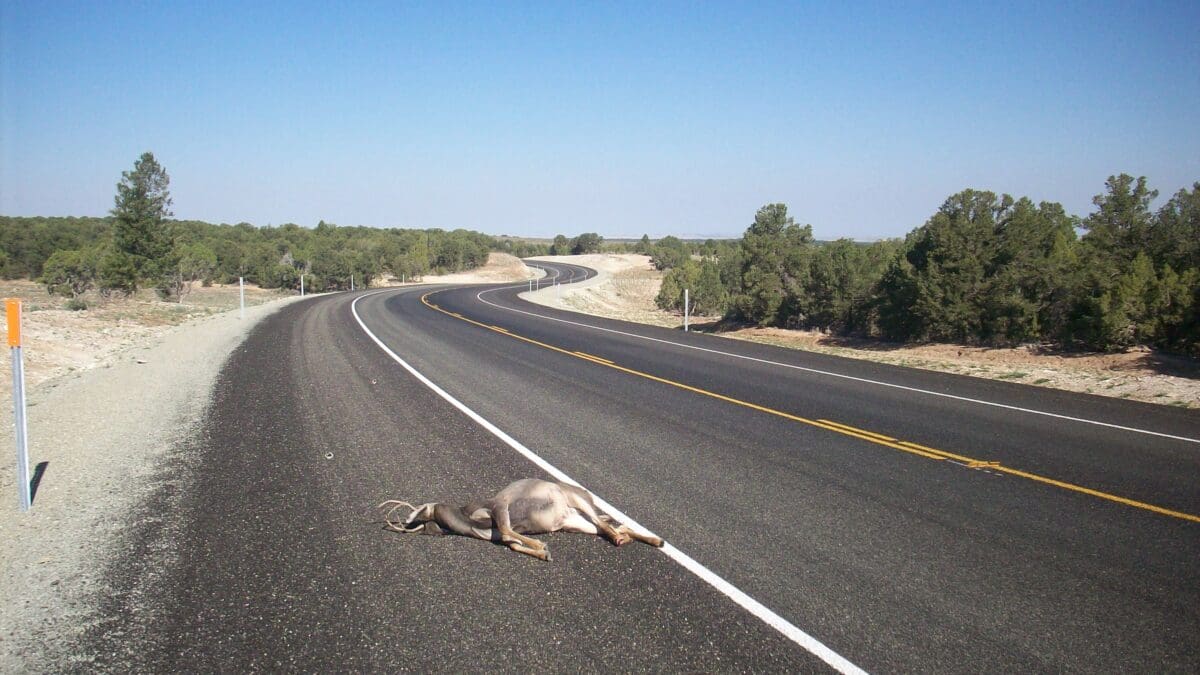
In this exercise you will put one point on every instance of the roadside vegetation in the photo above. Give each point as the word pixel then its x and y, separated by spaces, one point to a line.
pixel 138 246
pixel 984 270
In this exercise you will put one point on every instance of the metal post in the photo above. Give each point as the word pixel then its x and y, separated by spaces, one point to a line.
pixel 242 291
pixel 685 310
pixel 13 309
pixel 351 282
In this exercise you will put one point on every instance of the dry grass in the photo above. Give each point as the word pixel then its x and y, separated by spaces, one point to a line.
pixel 1140 375
pixel 57 341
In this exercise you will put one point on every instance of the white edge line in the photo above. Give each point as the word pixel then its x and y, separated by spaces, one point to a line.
pixel 788 629
pixel 479 296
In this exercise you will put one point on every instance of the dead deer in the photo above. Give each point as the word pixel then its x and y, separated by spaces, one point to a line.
pixel 526 506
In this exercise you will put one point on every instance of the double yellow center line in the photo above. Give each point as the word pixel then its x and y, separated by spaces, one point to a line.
pixel 829 425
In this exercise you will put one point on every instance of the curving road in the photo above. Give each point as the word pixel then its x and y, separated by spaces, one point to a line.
pixel 901 520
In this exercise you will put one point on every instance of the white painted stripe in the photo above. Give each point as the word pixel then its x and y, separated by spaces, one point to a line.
pixel 788 629
pixel 479 296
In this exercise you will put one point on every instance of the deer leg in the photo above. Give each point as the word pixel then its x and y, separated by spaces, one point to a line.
pixel 644 538
pixel 540 553
pixel 650 539
pixel 618 536
pixel 581 501
pixel 514 540
pixel 577 522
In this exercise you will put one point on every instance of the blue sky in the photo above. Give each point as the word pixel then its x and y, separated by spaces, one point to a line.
pixel 618 118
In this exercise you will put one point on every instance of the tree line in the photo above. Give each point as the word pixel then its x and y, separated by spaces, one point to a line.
pixel 983 270
pixel 139 246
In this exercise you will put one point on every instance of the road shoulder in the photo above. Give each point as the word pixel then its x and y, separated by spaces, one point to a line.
pixel 100 441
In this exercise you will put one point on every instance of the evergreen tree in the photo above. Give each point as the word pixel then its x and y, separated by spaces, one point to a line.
pixel 588 242
pixel 69 273
pixel 775 269
pixel 1122 224
pixel 844 274
pixel 1176 234
pixel 702 280
pixel 896 293
pixel 643 245
pixel 948 265
pixel 668 253
pixel 561 245
pixel 1117 275
pixel 1030 274
pixel 1176 251
pixel 141 207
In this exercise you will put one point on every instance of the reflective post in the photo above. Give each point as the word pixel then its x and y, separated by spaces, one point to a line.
pixel 12 307
pixel 685 310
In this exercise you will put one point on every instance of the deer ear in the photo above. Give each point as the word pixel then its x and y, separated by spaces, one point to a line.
pixel 433 528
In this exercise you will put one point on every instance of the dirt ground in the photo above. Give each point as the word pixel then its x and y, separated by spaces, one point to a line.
pixel 627 285
pixel 58 341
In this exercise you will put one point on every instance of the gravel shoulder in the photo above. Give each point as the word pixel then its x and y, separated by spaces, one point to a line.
pixel 101 439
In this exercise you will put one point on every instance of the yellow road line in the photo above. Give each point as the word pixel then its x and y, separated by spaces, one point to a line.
pixel 1097 493
pixel 844 429
pixel 947 455
pixel 847 427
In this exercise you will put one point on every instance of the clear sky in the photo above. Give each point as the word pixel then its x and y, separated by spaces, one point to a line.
pixel 618 118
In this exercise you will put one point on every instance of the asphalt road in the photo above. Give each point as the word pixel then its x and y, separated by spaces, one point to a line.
pixel 852 499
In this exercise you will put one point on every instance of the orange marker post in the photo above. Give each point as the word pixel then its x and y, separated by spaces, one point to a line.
pixel 12 308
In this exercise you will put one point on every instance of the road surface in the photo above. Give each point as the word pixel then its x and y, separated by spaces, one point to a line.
pixel 901 520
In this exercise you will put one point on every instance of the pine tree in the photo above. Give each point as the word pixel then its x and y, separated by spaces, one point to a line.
pixel 140 210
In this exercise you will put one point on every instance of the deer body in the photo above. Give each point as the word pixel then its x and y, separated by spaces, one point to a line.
pixel 524 507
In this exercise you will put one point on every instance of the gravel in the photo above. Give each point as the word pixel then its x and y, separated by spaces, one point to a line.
pixel 103 441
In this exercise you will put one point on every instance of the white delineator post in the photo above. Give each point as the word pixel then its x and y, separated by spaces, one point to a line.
pixel 685 310
pixel 242 293
pixel 302 285
pixel 12 307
